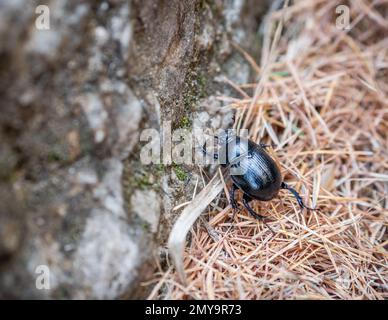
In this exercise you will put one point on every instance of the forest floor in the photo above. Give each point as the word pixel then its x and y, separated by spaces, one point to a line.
pixel 321 100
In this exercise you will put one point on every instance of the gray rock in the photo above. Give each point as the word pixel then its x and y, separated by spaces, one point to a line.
pixel 146 204
pixel 76 201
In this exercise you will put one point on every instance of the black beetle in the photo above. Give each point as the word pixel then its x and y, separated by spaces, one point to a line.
pixel 256 174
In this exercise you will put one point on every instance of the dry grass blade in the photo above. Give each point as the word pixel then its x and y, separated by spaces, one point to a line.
pixel 186 220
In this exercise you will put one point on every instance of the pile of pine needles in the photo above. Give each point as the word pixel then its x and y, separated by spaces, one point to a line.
pixel 321 100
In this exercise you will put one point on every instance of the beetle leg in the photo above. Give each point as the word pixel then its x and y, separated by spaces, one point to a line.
pixel 232 199
pixel 246 200
pixel 265 145
pixel 296 195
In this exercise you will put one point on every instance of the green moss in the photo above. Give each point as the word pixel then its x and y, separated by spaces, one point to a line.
pixel 159 168
pixel 185 122
pixel 201 80
pixel 142 181
pixel 144 225
pixel 58 154
pixel 204 5
pixel 141 177
pixel 149 178
pixel 179 172
pixel 195 89
pixel 189 100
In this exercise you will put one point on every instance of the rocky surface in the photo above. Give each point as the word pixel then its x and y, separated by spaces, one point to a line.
pixel 74 99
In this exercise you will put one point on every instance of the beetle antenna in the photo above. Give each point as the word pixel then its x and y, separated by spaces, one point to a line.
pixel 270 229
pixel 297 196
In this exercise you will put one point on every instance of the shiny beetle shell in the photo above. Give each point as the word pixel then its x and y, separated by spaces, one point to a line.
pixel 261 177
